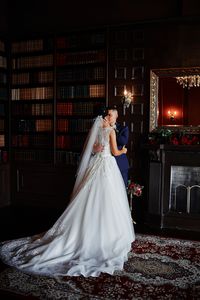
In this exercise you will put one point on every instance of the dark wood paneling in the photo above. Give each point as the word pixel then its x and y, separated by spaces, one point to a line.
pixel 154 205
pixel 4 185
pixel 42 185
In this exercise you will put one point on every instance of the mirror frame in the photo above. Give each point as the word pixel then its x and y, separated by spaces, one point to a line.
pixel 155 74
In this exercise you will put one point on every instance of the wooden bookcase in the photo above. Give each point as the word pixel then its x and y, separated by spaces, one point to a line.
pixel 4 126
pixel 58 86
pixel 3 104
pixel 81 90
pixel 32 100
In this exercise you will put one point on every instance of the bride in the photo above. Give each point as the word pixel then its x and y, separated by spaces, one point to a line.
pixel 95 232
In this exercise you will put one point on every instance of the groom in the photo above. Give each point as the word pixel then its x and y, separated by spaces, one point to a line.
pixel 122 135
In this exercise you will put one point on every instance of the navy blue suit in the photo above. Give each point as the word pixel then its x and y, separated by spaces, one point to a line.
pixel 122 135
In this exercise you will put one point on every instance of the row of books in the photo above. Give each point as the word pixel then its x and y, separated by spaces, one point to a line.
pixel 2 140
pixel 41 93
pixel 80 58
pixel 46 125
pixel 32 45
pixel 32 125
pixel 32 77
pixel 63 109
pixel 43 141
pixel 82 91
pixel 32 155
pixel 37 93
pixel 3 78
pixel 80 40
pixel 70 41
pixel 67 157
pixel 3 94
pixel 3 62
pixel 1 125
pixel 27 109
pixel 70 142
pixel 3 156
pixel 27 46
pixel 68 75
pixel 2 46
pixel 26 140
pixel 28 62
pixel 73 108
pixel 81 125
pixel 79 74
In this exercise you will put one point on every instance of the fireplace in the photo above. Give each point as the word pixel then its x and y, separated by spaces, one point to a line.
pixel 173 199
pixel 185 189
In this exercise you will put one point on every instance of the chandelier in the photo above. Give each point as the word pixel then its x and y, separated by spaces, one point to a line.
pixel 189 81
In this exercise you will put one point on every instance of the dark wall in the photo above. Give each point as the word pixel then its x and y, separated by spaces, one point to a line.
pixel 60 16
pixel 3 17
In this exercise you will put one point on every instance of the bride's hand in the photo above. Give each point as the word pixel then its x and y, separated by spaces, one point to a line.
pixel 124 150
pixel 105 123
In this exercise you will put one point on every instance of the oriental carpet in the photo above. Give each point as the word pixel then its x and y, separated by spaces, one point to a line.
pixel 158 268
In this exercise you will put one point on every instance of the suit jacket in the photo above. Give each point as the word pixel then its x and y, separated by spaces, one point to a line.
pixel 122 135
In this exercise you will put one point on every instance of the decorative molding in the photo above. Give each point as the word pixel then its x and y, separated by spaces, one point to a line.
pixel 137 109
pixel 119 90
pixel 137 72
pixel 154 86
pixel 138 54
pixel 120 73
pixel 153 110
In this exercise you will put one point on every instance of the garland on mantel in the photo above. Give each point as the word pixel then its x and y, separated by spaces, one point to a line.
pixel 171 137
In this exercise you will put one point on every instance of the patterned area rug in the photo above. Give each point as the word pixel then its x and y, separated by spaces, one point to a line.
pixel 158 268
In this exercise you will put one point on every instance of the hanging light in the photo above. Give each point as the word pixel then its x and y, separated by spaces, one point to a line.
pixel 189 81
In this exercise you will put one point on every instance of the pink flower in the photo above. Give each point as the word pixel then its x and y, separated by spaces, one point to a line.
pixel 135 189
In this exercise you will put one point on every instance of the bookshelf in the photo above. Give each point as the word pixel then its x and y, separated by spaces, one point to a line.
pixel 81 90
pixel 32 100
pixel 3 104
pixel 4 127
pixel 58 86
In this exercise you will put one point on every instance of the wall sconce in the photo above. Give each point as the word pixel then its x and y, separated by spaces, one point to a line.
pixel 172 114
pixel 127 99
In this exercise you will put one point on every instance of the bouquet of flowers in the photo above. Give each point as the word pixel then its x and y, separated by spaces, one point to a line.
pixel 134 189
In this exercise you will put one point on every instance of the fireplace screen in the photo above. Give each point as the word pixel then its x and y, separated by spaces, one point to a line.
pixel 185 189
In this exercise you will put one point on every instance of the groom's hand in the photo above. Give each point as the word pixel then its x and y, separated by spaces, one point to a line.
pixel 97 148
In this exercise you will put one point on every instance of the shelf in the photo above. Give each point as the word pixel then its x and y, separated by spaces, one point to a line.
pixel 84 73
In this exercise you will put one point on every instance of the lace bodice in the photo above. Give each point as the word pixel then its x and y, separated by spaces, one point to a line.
pixel 103 138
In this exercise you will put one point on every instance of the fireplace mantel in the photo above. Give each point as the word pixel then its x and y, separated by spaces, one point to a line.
pixel 173 186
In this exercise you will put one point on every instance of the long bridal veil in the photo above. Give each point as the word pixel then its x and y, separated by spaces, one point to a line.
pixel 86 154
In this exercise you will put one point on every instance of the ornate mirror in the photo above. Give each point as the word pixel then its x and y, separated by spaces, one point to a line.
pixel 175 99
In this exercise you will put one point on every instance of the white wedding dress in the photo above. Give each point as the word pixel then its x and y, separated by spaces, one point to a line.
pixel 94 233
